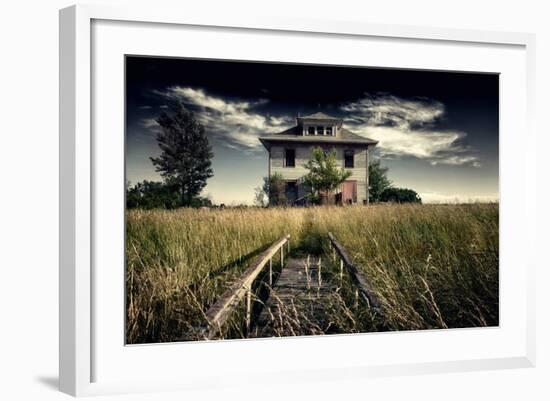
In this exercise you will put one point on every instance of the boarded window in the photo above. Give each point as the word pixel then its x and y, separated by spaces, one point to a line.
pixel 290 157
pixel 349 192
pixel 348 159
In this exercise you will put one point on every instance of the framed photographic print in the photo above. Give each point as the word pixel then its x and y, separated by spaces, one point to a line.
pixel 335 199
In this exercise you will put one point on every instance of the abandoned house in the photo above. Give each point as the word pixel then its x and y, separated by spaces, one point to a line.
pixel 290 150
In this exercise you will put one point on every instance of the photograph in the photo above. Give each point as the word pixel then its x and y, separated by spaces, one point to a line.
pixel 276 199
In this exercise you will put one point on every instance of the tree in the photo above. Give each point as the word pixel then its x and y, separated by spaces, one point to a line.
pixel 400 195
pixel 275 188
pixel 201 201
pixel 378 180
pixel 185 160
pixel 272 192
pixel 260 197
pixel 324 175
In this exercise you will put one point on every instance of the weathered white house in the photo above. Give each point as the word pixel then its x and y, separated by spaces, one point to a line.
pixel 291 149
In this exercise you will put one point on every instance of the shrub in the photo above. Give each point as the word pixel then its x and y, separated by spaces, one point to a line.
pixel 400 195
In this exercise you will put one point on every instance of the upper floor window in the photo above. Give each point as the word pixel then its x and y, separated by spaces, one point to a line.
pixel 311 130
pixel 320 130
pixel 290 157
pixel 348 159
pixel 328 131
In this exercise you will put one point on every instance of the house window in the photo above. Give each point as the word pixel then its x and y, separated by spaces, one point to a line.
pixel 328 131
pixel 320 130
pixel 290 157
pixel 348 159
pixel 311 130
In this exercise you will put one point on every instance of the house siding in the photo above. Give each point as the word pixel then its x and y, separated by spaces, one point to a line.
pixel 303 153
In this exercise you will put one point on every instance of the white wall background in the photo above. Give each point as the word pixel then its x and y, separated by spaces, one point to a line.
pixel 29 196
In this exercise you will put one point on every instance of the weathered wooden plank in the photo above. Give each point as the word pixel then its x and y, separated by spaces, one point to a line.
pixel 298 290
pixel 219 313
pixel 363 285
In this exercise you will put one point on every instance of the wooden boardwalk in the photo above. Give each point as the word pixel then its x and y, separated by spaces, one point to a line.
pixel 303 300
pixel 297 301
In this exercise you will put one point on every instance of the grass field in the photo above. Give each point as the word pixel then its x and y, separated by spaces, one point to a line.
pixel 431 266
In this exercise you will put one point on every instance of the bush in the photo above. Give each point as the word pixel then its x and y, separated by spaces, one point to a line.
pixel 159 195
pixel 275 189
pixel 400 195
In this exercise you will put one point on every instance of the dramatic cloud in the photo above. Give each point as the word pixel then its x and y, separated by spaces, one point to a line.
pixel 237 123
pixel 403 127
pixel 407 127
pixel 149 123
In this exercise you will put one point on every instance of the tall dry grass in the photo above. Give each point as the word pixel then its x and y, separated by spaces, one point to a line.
pixel 431 266
pixel 179 262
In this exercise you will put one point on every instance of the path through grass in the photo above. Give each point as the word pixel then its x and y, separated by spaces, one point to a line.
pixel 431 266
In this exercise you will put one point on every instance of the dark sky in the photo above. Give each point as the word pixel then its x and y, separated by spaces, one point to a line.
pixel 438 131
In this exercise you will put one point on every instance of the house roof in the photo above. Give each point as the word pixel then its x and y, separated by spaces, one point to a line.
pixel 319 116
pixel 294 135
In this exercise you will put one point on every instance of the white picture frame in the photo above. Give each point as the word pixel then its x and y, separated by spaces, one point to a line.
pixel 82 343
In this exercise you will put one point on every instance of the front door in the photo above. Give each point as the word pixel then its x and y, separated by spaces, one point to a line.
pixel 349 192
pixel 291 192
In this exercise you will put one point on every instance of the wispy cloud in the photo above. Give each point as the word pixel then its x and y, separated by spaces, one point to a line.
pixel 237 122
pixel 403 127
pixel 408 127
pixel 150 123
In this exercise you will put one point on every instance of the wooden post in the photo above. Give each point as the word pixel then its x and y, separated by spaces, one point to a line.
pixel 356 305
pixel 307 271
pixel 341 271
pixel 319 278
pixel 319 272
pixel 271 272
pixel 288 247
pixel 248 309
pixel 282 256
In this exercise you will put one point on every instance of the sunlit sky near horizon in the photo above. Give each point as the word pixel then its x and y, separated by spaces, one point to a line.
pixel 437 131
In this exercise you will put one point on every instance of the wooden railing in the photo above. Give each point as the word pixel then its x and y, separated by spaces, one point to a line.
pixel 219 313
pixel 364 289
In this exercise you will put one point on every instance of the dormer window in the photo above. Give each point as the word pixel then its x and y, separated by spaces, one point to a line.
pixel 328 131
pixel 311 130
